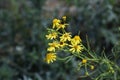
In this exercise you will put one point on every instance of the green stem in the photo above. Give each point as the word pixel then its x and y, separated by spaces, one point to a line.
pixel 88 52
pixel 64 58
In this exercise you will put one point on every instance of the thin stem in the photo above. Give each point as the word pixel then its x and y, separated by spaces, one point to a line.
pixel 115 76
pixel 64 58
pixel 88 52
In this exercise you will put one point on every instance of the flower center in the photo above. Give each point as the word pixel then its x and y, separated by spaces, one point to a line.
pixel 65 35
pixel 75 46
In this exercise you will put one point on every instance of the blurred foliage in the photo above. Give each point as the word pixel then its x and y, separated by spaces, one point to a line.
pixel 21 38
pixel 99 19
pixel 22 41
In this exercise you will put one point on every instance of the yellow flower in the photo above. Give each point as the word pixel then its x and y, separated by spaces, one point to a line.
pixel 56 22
pixel 62 44
pixel 65 37
pixel 84 61
pixel 53 46
pixel 92 67
pixel 50 57
pixel 61 26
pixel 52 35
pixel 51 49
pixel 64 18
pixel 76 40
pixel 76 48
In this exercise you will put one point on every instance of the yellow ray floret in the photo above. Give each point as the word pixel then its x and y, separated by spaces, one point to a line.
pixel 53 46
pixel 51 49
pixel 76 40
pixel 50 57
pixel 62 26
pixel 65 37
pixel 76 48
pixel 56 22
pixel 52 35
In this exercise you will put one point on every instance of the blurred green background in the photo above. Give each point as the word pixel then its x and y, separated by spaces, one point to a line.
pixel 23 26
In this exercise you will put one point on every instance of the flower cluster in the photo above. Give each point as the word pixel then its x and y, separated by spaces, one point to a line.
pixel 61 40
